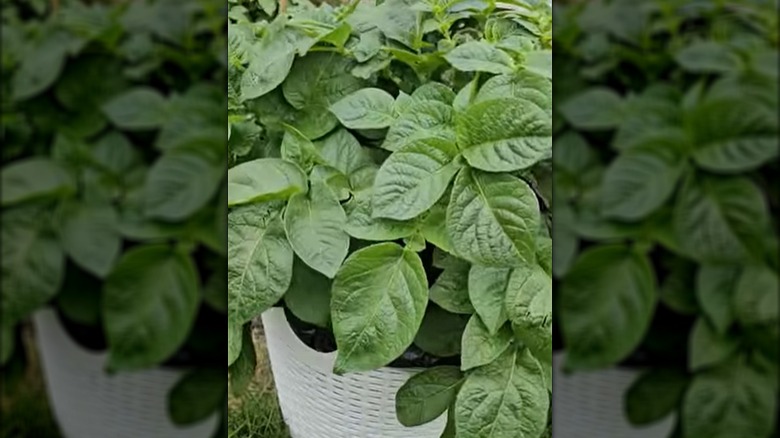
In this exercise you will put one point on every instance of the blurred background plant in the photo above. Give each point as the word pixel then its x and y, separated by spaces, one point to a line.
pixel 666 206
pixel 113 127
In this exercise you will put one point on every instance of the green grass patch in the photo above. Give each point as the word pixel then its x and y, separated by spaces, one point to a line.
pixel 256 413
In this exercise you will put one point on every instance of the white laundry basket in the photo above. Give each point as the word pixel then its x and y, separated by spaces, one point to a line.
pixel 590 405
pixel 316 403
pixel 88 403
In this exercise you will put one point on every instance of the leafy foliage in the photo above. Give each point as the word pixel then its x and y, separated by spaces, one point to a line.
pixel 114 179
pixel 666 142
pixel 365 140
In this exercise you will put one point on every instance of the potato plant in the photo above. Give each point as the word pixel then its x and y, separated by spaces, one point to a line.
pixel 113 169
pixel 389 181
pixel 666 241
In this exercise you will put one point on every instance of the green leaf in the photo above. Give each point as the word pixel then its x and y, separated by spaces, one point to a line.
pixel 308 297
pixel 565 239
pixel 465 95
pixel 756 297
pixel 434 226
pixel 361 224
pixel 480 347
pixel 539 62
pixel 368 108
pixel 729 401
pixel 606 305
pixel 90 236
pixel 235 340
pixel 314 223
pixel 638 182
pixel 449 428
pixel 33 178
pixel 140 108
pixel 493 219
pixel 544 254
pixel 421 119
pixel 263 180
pixel 260 261
pixel 440 332
pixel 115 153
pixel 654 395
pixel 338 36
pixel 42 64
pixel 504 135
pixel 150 301
pixel 594 109
pixel 196 396
pixel 434 91
pixel 379 299
pixel 179 184
pixel 314 121
pixel 342 151
pixel 720 219
pixel 413 178
pixel 267 69
pixel 427 395
pixel 707 348
pixel 298 149
pixel 368 45
pixel 732 135
pixel 677 290
pixel 451 289
pixel 520 85
pixel 488 290
pixel 707 57
pixel 529 307
pixel 398 21
pixel 480 56
pixel 507 398
pixel 320 78
pixel 32 263
pixel 715 287
pixel 242 371
pixel 415 242
pixel 333 179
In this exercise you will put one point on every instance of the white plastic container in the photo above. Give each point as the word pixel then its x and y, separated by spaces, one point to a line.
pixel 316 403
pixel 590 404
pixel 87 403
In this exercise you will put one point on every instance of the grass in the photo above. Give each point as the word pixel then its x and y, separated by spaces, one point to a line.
pixel 24 407
pixel 256 413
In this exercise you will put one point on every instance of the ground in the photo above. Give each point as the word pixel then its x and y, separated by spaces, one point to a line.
pixel 256 413
pixel 25 413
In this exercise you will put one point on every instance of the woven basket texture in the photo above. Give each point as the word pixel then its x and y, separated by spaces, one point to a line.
pixel 590 405
pixel 319 404
pixel 88 403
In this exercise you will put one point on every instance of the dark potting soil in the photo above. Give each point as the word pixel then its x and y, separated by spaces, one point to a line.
pixel 322 340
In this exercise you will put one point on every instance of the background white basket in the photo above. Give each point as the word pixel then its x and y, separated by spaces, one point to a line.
pixel 590 405
pixel 88 403
pixel 319 404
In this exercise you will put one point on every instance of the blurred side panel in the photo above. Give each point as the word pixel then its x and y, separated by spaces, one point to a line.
pixel 666 214
pixel 114 132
